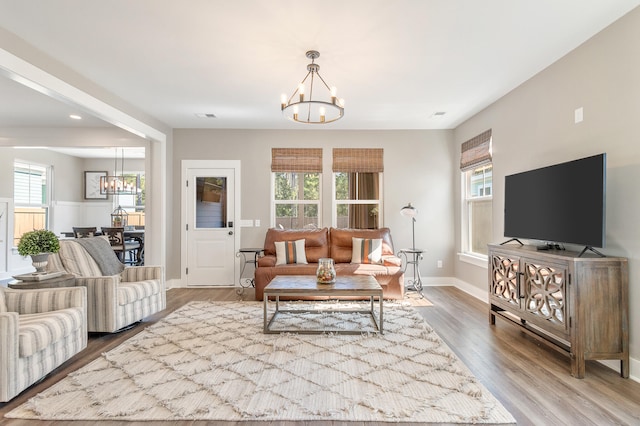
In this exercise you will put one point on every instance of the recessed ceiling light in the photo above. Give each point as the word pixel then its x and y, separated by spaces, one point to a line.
pixel 75 116
pixel 205 115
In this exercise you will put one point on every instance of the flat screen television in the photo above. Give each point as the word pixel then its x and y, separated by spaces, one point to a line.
pixel 562 203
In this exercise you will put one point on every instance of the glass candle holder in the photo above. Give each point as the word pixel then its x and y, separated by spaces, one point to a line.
pixel 326 273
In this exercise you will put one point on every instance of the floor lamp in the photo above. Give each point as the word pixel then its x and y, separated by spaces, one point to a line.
pixel 412 212
pixel 412 256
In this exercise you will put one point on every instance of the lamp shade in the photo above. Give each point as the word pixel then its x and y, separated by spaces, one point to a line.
pixel 409 211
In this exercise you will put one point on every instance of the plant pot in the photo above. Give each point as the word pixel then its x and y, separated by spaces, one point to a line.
pixel 40 261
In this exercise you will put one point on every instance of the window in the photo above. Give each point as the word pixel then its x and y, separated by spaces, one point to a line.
pixel 478 209
pixel 296 187
pixel 477 179
pixel 133 204
pixel 31 198
pixel 357 195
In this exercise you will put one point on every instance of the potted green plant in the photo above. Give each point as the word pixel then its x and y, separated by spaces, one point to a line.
pixel 38 244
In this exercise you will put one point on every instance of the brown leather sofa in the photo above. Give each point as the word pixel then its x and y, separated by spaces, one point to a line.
pixel 335 243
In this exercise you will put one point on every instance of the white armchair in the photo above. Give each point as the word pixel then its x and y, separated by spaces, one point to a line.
pixel 115 300
pixel 39 330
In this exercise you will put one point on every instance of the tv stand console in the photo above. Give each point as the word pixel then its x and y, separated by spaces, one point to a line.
pixel 574 303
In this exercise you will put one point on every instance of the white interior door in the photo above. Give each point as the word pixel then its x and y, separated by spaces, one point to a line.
pixel 210 227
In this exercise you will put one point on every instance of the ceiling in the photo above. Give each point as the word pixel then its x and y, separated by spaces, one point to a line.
pixel 396 63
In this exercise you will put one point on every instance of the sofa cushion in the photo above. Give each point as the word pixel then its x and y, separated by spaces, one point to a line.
pixel 342 242
pixel 290 252
pixel 366 250
pixel 316 241
pixel 130 292
pixel 3 302
pixel 39 331
pixel 77 261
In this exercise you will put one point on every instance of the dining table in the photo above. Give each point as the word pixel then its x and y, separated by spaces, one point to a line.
pixel 129 234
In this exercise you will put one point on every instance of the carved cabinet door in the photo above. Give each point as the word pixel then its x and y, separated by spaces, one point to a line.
pixel 544 294
pixel 504 288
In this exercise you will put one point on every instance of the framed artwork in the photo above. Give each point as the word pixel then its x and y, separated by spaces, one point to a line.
pixel 92 186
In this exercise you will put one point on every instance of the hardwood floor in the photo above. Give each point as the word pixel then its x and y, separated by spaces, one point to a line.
pixel 531 380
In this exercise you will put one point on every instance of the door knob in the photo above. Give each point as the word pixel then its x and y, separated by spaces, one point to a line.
pixel 230 232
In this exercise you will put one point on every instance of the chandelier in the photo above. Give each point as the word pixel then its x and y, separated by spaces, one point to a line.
pixel 312 110
pixel 116 185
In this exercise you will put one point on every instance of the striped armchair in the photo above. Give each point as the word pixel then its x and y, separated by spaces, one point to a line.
pixel 39 330
pixel 113 301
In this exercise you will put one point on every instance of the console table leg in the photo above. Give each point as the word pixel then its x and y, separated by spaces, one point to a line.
pixel 577 365
pixel 624 368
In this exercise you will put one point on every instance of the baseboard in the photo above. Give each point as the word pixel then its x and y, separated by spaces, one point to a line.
pixel 455 282
pixel 174 283
pixel 634 364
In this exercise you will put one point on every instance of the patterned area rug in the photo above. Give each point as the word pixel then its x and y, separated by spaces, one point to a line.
pixel 211 361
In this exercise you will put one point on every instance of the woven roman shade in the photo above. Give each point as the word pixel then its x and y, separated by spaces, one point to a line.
pixel 298 160
pixel 358 160
pixel 476 151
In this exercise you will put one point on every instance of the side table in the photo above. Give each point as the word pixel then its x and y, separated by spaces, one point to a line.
pixel 413 256
pixel 246 259
pixel 66 280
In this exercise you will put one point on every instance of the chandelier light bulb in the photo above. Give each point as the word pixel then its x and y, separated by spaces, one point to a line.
pixel 301 92
pixel 283 100
pixel 323 112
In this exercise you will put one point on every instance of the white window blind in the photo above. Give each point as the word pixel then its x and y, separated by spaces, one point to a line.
pixel 30 185
pixel 476 151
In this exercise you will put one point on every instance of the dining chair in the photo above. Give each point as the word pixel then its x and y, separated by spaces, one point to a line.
pixel 120 245
pixel 84 232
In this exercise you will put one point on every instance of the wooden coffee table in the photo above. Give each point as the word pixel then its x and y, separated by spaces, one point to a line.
pixel 306 285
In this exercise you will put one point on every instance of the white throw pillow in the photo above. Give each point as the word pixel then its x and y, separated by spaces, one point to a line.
pixel 366 250
pixel 290 252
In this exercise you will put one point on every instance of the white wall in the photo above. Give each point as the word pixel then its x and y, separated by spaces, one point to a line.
pixel 533 126
pixel 418 169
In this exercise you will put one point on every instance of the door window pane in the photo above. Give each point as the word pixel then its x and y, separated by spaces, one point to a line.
pixel 211 202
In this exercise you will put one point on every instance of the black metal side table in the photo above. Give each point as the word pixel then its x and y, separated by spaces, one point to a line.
pixel 246 259
pixel 413 256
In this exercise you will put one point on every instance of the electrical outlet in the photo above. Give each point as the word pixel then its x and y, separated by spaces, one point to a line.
pixel 439 263
pixel 257 222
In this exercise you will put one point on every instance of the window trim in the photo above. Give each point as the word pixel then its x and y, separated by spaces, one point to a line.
pixel 48 206
pixel 273 200
pixel 379 202
pixel 466 254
